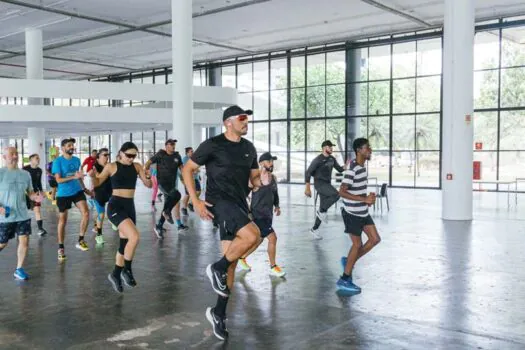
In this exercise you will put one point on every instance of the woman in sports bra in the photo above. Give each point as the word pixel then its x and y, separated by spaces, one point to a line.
pixel 121 210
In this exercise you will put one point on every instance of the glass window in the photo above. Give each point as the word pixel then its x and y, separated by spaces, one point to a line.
pixel 297 72
pixel 335 100
pixel 244 77
pixel 404 60
pixel 486 130
pixel 261 138
pixel 403 128
pixel 278 100
pixel 403 168
pixel 512 126
pixel 148 146
pixel 228 76
pixel 246 100
pixel 335 132
pixel 486 89
pixel 379 62
pixel 297 101
pixel 513 87
pixel 280 167
pixel 379 132
pixel 316 134
pixel 428 94
pixel 315 101
pixel 278 74
pixel 335 67
pixel 427 169
pixel 378 169
pixel 429 57
pixel 488 168
pixel 297 136
pixel 513 47
pixel 260 76
pixel 379 98
pixel 160 139
pixel 297 166
pixel 427 135
pixel 486 50
pixel 278 137
pixel 260 105
pixel 404 96
pixel 511 165
pixel 315 70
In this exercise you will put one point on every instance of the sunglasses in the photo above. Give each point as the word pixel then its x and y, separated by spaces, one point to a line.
pixel 104 154
pixel 240 117
pixel 130 156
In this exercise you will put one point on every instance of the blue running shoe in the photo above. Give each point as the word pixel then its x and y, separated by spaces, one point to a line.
pixel 347 286
pixel 344 260
pixel 20 274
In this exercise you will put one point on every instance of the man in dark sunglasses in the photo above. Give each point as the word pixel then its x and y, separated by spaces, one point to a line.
pixel 168 163
pixel 231 164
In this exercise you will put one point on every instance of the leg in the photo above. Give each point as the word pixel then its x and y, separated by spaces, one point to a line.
pixel 128 230
pixel 272 248
pixel 373 240
pixel 177 211
pixel 61 227
pixel 185 201
pixel 38 213
pixel 252 249
pixel 353 254
pixel 84 211
pixel 329 196
pixel 155 189
pixel 246 238
pixel 23 244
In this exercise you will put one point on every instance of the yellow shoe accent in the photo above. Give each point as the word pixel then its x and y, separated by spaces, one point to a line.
pixel 244 265
pixel 277 271
pixel 82 245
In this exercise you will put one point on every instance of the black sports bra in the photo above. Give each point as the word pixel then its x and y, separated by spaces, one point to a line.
pixel 125 178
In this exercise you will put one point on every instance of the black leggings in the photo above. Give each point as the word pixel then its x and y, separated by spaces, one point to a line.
pixel 172 197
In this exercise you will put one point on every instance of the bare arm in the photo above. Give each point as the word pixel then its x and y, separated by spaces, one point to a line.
pixel 338 167
pixel 343 192
pixel 78 175
pixel 187 176
pixel 255 178
pixel 148 165
pixel 99 178
pixel 146 180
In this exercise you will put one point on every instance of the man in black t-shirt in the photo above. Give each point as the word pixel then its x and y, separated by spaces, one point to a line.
pixel 231 163
pixel 36 179
pixel 168 163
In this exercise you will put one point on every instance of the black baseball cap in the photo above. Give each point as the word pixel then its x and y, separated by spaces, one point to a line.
pixel 327 143
pixel 266 156
pixel 170 141
pixel 232 111
pixel 66 141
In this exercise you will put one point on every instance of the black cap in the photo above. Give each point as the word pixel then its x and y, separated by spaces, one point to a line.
pixel 170 141
pixel 266 156
pixel 66 141
pixel 232 111
pixel 327 143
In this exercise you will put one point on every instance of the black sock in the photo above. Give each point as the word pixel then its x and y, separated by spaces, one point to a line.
pixel 346 277
pixel 222 265
pixel 153 203
pixel 39 224
pixel 61 246
pixel 80 239
pixel 220 307
pixel 317 223
pixel 127 264
pixel 161 221
pixel 117 270
pixel 99 231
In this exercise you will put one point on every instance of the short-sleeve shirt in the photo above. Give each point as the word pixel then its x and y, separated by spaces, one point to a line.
pixel 67 168
pixel 356 178
pixel 228 167
pixel 14 184
pixel 184 161
pixel 36 177
pixel 167 167
pixel 90 162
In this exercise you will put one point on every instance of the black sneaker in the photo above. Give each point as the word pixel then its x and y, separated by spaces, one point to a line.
pixel 218 281
pixel 218 324
pixel 190 207
pixel 116 283
pixel 42 232
pixel 183 228
pixel 159 231
pixel 127 277
pixel 185 212
pixel 168 217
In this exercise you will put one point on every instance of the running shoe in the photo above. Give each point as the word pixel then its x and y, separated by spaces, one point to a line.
pixel 184 212
pixel 94 230
pixel 20 274
pixel 127 277
pixel 218 281
pixel 159 231
pixel 168 217
pixel 183 228
pixel 114 228
pixel 322 216
pixel 315 234
pixel 61 254
pixel 243 264
pixel 100 239
pixel 116 282
pixel 41 232
pixel 82 245
pixel 347 286
pixel 218 324
pixel 277 271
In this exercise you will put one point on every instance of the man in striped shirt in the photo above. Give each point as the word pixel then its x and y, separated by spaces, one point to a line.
pixel 353 190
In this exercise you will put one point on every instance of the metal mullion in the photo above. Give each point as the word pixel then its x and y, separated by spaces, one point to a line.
pixel 416 154
pixel 305 111
pixel 498 139
pixel 440 185
pixel 288 113
pixel 391 136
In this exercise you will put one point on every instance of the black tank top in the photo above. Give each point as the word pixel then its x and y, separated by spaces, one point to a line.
pixel 125 178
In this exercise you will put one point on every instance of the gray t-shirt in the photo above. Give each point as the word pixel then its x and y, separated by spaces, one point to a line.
pixel 13 187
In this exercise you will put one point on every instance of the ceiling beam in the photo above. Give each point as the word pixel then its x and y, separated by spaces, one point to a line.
pixel 397 12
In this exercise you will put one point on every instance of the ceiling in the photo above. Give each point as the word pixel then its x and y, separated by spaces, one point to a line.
pixel 85 39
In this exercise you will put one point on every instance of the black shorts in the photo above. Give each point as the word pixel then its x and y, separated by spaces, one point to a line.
pixel 8 230
pixel 231 217
pixel 52 183
pixel 354 224
pixel 265 226
pixel 120 209
pixel 64 203
pixel 197 187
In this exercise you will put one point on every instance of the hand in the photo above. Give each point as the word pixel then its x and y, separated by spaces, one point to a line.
pixel 2 211
pixel 201 207
pixel 79 175
pixel 277 211
pixel 36 197
pixel 370 199
pixel 88 192
pixel 148 173
pixel 308 192
pixel 92 173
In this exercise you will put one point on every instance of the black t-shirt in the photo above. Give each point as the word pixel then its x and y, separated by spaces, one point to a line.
pixel 104 190
pixel 167 166
pixel 228 167
pixel 36 177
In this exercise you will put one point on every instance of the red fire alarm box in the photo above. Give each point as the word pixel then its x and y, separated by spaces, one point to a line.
pixel 477 170
pixel 479 146
pixel 449 177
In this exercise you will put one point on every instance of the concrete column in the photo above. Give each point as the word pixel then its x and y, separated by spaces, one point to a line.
pixel 458 64
pixel 215 77
pixel 116 142
pixel 353 106
pixel 182 62
pixel 35 70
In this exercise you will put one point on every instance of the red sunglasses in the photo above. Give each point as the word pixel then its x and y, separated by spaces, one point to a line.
pixel 240 117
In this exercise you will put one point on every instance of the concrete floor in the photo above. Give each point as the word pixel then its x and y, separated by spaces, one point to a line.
pixel 428 285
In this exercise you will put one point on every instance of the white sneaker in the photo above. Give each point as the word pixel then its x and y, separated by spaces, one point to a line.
pixel 322 216
pixel 277 271
pixel 316 235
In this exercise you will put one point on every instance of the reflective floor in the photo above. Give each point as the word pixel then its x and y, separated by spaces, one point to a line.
pixel 428 285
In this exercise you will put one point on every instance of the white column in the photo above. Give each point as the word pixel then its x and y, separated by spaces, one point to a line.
pixel 197 135
pixel 116 142
pixel 35 70
pixel 182 62
pixel 458 64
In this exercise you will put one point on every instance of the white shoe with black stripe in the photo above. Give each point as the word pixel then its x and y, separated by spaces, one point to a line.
pixel 218 281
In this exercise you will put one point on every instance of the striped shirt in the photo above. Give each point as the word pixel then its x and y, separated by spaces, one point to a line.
pixel 356 178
